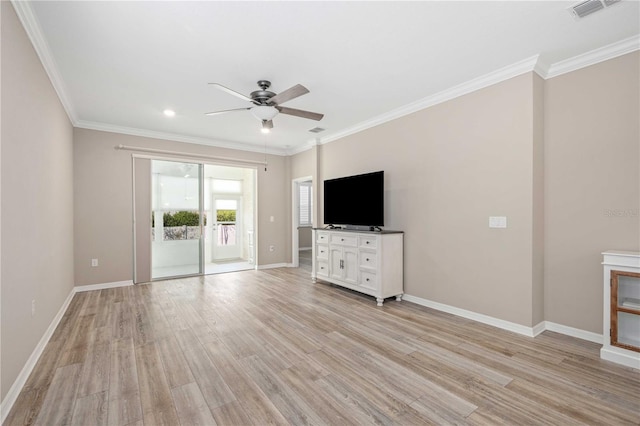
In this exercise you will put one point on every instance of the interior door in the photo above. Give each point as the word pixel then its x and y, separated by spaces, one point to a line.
pixel 227 232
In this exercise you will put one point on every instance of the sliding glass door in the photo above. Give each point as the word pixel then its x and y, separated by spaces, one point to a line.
pixel 191 218
pixel 176 219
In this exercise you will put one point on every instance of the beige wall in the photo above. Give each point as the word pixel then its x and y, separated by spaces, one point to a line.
pixel 103 225
pixel 560 158
pixel 592 184
pixel 447 169
pixel 302 164
pixel 37 199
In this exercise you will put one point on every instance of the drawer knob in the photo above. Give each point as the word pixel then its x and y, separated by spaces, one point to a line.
pixel 367 279
pixel 321 251
pixel 367 259
pixel 367 242
pixel 341 239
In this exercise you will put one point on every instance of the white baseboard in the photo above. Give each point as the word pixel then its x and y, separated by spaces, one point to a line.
pixel 92 287
pixel 18 384
pixel 507 325
pixel 485 319
pixel 619 357
pixel 274 265
pixel 574 332
pixel 539 328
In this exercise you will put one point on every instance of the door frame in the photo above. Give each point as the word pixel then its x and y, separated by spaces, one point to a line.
pixel 295 220
pixel 203 162
pixel 239 227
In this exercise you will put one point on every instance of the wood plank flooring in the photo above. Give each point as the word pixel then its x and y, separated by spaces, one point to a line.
pixel 270 347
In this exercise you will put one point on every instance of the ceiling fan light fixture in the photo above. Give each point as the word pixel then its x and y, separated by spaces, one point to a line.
pixel 265 127
pixel 264 112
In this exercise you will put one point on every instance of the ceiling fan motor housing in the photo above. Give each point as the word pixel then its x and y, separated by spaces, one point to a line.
pixel 262 96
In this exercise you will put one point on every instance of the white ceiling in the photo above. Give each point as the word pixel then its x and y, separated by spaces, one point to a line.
pixel 118 65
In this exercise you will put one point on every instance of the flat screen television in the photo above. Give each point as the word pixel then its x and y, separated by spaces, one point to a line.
pixel 355 200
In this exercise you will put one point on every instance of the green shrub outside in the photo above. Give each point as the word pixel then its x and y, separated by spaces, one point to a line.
pixel 181 218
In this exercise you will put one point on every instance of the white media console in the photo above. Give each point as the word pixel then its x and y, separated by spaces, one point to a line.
pixel 368 262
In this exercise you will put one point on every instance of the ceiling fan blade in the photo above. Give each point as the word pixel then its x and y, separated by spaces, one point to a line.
pixel 231 92
pixel 226 110
pixel 300 113
pixel 287 95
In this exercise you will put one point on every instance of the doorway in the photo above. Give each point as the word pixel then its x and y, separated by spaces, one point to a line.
pixel 192 218
pixel 230 207
pixel 302 214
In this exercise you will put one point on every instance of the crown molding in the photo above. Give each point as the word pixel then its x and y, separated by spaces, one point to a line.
pixel 32 28
pixel 593 57
pixel 502 74
pixel 103 127
pixel 534 63
pixel 303 147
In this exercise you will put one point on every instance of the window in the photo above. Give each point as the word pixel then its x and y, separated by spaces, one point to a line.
pixel 305 204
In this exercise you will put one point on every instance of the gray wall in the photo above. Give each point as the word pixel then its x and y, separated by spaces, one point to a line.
pixel 37 199
pixel 103 210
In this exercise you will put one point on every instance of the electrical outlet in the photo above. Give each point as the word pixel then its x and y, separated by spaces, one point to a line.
pixel 33 307
pixel 272 248
pixel 94 262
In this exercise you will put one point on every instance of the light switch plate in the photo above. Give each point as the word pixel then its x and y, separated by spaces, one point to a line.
pixel 497 221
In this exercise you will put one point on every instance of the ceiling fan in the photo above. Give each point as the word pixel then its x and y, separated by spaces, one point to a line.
pixel 266 104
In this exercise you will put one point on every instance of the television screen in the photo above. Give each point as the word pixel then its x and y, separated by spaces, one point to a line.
pixel 355 200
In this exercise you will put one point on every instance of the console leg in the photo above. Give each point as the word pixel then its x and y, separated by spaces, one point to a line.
pixel 313 279
pixel 380 301
pixel 399 298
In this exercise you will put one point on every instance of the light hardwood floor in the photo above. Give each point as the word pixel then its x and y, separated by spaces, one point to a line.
pixel 270 347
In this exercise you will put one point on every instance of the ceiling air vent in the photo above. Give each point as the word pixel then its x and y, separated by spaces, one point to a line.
pixel 317 130
pixel 588 7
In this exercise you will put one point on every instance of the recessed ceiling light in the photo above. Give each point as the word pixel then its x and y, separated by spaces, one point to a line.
pixel 169 112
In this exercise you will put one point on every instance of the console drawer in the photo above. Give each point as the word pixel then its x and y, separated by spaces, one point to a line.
pixel 368 242
pixel 368 259
pixel 343 240
pixel 322 268
pixel 368 280
pixel 322 252
pixel 322 237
